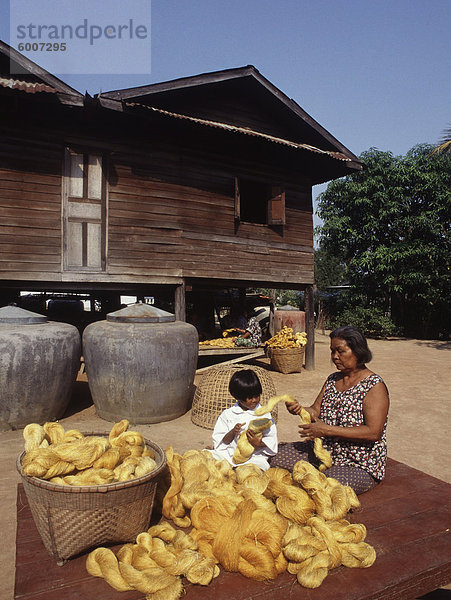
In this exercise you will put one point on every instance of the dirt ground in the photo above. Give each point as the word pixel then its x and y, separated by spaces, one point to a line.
pixel 417 374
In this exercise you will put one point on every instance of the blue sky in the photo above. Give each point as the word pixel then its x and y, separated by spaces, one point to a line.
pixel 373 73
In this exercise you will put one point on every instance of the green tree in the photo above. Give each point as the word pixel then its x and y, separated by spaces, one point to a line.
pixel 329 269
pixel 389 223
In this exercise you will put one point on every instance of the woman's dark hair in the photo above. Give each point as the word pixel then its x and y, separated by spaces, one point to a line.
pixel 245 384
pixel 355 340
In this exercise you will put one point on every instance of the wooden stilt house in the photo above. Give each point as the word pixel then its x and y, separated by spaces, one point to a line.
pixel 170 190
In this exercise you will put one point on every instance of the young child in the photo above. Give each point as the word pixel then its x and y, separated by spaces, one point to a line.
pixel 246 388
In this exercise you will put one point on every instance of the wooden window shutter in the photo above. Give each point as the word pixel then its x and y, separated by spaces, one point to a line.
pixel 237 199
pixel 276 206
pixel 84 212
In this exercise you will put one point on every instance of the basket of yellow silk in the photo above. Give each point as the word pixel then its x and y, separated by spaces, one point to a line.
pixel 286 350
pixel 87 490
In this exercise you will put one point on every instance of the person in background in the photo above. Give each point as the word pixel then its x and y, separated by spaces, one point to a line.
pixel 238 317
pixel 350 414
pixel 246 388
pixel 251 334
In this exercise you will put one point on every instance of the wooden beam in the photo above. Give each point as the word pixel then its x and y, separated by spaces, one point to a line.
pixel 180 302
pixel 257 354
pixel 310 329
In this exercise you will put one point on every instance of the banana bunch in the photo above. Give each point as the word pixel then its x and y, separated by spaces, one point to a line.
pixel 285 338
pixel 220 342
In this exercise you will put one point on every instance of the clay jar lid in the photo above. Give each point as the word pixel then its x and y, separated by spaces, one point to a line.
pixel 13 315
pixel 140 313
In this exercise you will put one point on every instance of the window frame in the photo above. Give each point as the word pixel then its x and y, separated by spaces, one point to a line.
pixel 275 202
pixel 72 205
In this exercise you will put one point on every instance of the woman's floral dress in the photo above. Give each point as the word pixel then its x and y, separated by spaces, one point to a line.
pixel 255 335
pixel 345 409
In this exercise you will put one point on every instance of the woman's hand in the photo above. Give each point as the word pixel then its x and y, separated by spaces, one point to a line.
pixel 255 439
pixel 317 428
pixel 294 408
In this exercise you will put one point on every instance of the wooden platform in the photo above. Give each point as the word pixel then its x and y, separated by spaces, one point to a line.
pixel 407 517
pixel 223 355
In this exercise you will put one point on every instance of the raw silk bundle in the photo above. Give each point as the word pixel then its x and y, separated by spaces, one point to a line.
pixel 246 539
pixel 154 565
pixel 244 449
pixel 332 499
pixel 320 452
pixel 70 458
pixel 246 520
pixel 320 545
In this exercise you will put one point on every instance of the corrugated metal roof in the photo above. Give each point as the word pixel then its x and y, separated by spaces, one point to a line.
pixel 243 130
pixel 30 87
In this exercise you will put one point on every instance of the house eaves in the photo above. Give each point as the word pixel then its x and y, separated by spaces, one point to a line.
pixel 25 72
pixel 29 87
pixel 243 130
pixel 246 73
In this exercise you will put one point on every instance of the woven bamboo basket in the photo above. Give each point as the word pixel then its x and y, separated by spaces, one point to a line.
pixel 287 360
pixel 74 519
pixel 212 395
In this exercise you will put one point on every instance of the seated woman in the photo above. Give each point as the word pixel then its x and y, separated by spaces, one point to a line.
pixel 250 332
pixel 349 413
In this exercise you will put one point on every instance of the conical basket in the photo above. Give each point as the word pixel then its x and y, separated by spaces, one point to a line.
pixel 212 395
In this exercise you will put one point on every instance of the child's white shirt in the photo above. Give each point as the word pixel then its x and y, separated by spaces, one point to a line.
pixel 227 421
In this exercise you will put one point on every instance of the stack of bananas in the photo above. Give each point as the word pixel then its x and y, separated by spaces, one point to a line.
pixel 285 338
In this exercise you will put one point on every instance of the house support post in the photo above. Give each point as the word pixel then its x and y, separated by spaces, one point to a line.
pixel 272 295
pixel 310 329
pixel 180 302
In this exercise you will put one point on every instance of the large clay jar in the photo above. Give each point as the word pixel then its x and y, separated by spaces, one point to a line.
pixel 39 360
pixel 140 364
pixel 289 317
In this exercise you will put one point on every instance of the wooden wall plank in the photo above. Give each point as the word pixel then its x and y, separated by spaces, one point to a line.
pixel 170 214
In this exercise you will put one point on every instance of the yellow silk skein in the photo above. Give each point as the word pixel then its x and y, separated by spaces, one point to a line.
pixel 34 436
pixel 257 523
pixel 312 550
pixel 332 500
pixel 320 452
pixel 244 448
pixel 154 564
pixel 70 458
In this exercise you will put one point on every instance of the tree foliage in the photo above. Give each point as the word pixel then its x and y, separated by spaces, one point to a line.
pixel 329 269
pixel 389 224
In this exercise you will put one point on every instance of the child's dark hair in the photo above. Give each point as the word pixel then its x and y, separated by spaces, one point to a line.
pixel 245 384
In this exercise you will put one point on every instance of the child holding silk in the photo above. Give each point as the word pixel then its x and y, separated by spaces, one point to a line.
pixel 246 388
